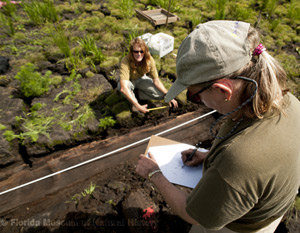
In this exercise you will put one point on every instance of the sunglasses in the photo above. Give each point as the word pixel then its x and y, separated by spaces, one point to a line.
pixel 138 51
pixel 195 98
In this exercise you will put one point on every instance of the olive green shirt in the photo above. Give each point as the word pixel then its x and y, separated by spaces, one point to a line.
pixel 126 73
pixel 252 176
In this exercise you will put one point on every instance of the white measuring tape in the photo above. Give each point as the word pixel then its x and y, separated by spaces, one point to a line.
pixel 103 156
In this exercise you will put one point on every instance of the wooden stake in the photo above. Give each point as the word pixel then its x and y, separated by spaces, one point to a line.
pixel 168 12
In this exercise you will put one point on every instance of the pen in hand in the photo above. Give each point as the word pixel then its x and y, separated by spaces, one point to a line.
pixel 189 158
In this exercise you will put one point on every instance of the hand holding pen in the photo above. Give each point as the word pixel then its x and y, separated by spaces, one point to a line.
pixel 193 155
pixel 189 157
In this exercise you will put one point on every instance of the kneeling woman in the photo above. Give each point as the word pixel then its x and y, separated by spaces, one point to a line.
pixel 138 71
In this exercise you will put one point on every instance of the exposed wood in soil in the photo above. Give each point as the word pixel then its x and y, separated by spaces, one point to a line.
pixel 192 133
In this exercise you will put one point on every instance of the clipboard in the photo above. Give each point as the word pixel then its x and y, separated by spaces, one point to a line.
pixel 159 141
pixel 167 154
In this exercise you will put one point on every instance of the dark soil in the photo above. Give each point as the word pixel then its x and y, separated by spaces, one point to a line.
pixel 117 205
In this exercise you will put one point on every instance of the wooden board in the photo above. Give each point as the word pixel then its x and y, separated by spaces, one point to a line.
pixel 158 16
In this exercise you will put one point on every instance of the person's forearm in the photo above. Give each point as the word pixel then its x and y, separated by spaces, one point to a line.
pixel 129 96
pixel 175 197
pixel 158 84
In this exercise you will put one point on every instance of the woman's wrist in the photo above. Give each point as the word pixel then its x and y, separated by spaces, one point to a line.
pixel 151 174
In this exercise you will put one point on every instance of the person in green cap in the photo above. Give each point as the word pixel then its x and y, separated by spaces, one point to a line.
pixel 251 174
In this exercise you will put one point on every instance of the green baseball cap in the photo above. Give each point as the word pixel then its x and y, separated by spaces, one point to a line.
pixel 211 51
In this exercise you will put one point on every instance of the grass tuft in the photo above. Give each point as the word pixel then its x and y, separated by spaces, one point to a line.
pixel 40 12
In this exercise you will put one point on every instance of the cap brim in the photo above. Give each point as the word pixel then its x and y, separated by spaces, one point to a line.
pixel 175 90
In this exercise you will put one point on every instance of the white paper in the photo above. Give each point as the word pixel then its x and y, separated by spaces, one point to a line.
pixel 169 160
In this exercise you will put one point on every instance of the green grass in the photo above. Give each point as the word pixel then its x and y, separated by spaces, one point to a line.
pixel 7 18
pixel 126 7
pixel 83 115
pixel 269 6
pixel 9 9
pixel 40 12
pixel 294 11
pixel 87 192
pixel 71 92
pixel 61 41
pixel 6 25
pixel 220 9
pixel 88 43
pixel 81 36
pixel 163 4
pixel 33 126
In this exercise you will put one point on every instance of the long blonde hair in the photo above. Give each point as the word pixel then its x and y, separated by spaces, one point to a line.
pixel 145 64
pixel 271 80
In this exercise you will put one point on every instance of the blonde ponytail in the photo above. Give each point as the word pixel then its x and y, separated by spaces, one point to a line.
pixel 271 80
